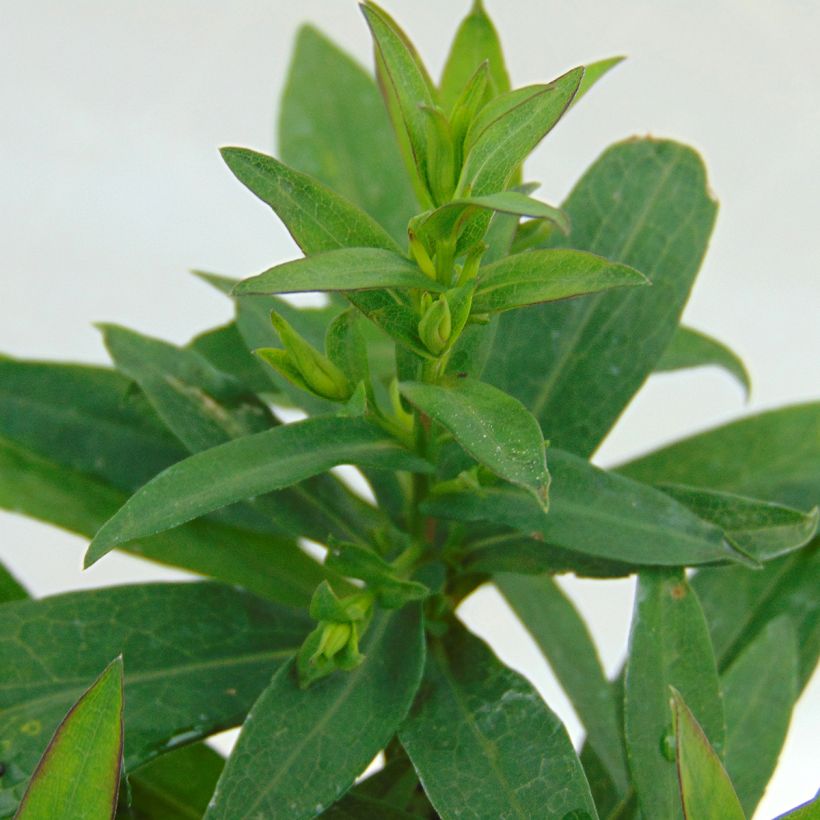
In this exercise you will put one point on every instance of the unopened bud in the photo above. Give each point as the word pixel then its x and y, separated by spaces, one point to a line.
pixel 436 326
pixel 334 638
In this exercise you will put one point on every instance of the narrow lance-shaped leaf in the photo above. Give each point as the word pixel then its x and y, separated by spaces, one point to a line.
pixel 78 775
pixel 493 428
pixel 644 203
pixel 593 72
pixel 301 749
pixel 759 692
pixel 484 742
pixel 563 638
pixel 333 126
pixel 343 269
pixel 691 348
pixel 668 646
pixel 246 467
pixel 705 788
pixel 546 276
pixel 196 657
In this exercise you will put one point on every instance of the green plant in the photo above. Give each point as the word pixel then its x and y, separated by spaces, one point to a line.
pixel 448 350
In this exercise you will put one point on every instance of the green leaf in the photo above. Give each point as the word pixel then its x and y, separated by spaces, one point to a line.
pixel 705 788
pixel 302 749
pixel 246 467
pixel 196 656
pixel 176 786
pixel 668 646
pixel 392 315
pixel 201 405
pixel 493 428
pixel 564 639
pixel 476 41
pixel 10 588
pixel 644 203
pixel 806 811
pixel 546 276
pixel 597 513
pixel 318 218
pixel 759 528
pixel 593 72
pixel 343 269
pixel 78 775
pixel 482 739
pixel 759 691
pixel 334 127
pixel 691 348
pixel 406 87
pixel 346 347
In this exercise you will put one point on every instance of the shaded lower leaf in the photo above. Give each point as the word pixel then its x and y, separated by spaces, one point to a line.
pixel 485 744
pixel 705 789
pixel 10 588
pixel 78 775
pixel 301 749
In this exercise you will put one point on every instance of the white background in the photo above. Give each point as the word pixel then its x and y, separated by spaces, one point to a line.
pixel 111 188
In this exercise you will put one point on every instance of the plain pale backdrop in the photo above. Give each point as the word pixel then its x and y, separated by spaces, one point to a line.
pixel 111 189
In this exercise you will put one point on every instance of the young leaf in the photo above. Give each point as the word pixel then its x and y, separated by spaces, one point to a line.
pixel 480 736
pixel 343 269
pixel 301 749
pixel 593 72
pixel 546 276
pixel 759 528
pixel 196 657
pixel 691 348
pixel 705 788
pixel 246 467
pixel 668 646
pixel 596 513
pixel 476 41
pixel 563 638
pixel 317 218
pixel 492 427
pixel 78 775
pixel 644 203
pixel 334 127
pixel 759 692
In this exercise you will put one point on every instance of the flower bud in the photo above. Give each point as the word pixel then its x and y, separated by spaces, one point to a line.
pixel 436 326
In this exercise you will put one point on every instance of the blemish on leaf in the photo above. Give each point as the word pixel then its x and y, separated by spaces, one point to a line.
pixel 31 727
pixel 677 591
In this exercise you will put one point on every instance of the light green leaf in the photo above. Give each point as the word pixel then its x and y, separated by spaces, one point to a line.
pixel 759 692
pixel 343 269
pixel 807 811
pixel 563 638
pixel 546 276
pixel 759 528
pixel 705 789
pixel 576 365
pixel 484 742
pixel 597 513
pixel 668 646
pixel 333 126
pixel 691 348
pixel 476 41
pixel 78 775
pixel 246 467
pixel 492 427
pixel 196 656
pixel 593 72
pixel 301 749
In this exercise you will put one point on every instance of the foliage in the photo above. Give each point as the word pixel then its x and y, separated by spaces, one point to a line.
pixel 476 347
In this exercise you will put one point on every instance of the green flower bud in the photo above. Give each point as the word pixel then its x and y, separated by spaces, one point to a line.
pixel 333 639
pixel 436 326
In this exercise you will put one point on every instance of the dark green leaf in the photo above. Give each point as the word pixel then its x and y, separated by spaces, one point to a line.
pixel 593 72
pixel 196 656
pixel 598 513
pixel 485 744
pixel 246 467
pixel 546 276
pixel 346 347
pixel 668 646
pixel 759 691
pixel 392 315
pixel 759 528
pixel 577 364
pixel 492 427
pixel 333 126
pixel 343 269
pixel 10 588
pixel 705 788
pixel 78 775
pixel 563 638
pixel 691 348
pixel 301 749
